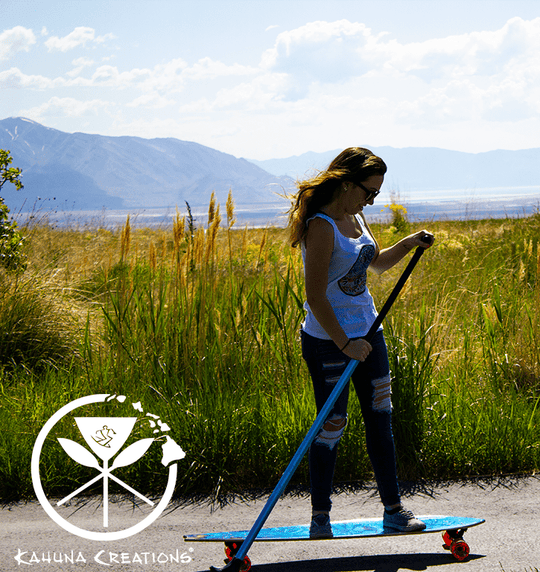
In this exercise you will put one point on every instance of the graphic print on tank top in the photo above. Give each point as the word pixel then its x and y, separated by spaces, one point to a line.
pixel 354 282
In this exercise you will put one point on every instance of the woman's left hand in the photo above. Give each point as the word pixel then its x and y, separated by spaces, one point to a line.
pixel 422 238
pixel 391 256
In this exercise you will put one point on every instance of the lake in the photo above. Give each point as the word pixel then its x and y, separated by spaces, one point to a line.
pixel 452 204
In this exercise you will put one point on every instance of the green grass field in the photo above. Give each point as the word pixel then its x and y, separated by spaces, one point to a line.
pixel 203 328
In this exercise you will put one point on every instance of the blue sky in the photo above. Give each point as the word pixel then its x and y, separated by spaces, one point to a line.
pixel 266 79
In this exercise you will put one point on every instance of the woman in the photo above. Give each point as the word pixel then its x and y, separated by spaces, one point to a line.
pixel 326 219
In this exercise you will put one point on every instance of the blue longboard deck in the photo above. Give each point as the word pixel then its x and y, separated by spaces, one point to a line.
pixel 344 529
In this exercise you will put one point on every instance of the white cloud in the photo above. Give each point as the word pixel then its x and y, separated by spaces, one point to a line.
pixel 80 64
pixel 260 94
pixel 494 75
pixel 162 80
pixel 336 51
pixel 66 107
pixel 206 68
pixel 484 53
pixel 321 51
pixel 337 78
pixel 83 62
pixel 165 78
pixel 18 39
pixel 109 76
pixel 440 106
pixel 105 38
pixel 151 100
pixel 15 79
pixel 104 76
pixel 79 37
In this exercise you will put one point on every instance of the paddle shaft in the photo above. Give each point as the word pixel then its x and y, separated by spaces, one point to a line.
pixel 237 560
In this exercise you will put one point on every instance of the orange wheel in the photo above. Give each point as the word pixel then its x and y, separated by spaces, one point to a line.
pixel 246 565
pixel 231 548
pixel 460 550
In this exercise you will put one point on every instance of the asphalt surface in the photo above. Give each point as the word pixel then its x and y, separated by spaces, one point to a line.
pixel 508 541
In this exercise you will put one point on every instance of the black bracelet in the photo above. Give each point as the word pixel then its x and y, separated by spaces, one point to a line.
pixel 348 341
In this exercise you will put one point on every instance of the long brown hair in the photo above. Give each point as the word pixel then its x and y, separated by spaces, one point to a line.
pixel 354 164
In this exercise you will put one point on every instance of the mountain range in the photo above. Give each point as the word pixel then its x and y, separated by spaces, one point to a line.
pixel 79 171
pixel 429 168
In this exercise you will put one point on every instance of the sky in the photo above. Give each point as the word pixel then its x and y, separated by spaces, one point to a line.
pixel 264 79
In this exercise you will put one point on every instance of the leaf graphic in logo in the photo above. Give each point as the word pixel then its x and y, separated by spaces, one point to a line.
pixel 79 454
pixel 132 453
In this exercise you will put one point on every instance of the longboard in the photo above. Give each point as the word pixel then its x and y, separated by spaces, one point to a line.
pixel 453 528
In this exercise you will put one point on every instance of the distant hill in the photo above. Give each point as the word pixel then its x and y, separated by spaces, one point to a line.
pixel 88 172
pixel 415 168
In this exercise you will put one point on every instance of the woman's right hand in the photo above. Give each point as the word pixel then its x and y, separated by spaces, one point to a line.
pixel 358 349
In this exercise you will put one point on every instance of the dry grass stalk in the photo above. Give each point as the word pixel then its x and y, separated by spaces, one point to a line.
pixel 152 257
pixel 231 219
pixel 212 235
pixel 261 249
pixel 125 240
pixel 198 247
pixel 179 225
pixel 211 209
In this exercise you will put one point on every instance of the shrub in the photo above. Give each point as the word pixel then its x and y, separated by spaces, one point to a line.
pixel 11 240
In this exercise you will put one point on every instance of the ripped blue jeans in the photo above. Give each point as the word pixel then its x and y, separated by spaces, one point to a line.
pixel 371 380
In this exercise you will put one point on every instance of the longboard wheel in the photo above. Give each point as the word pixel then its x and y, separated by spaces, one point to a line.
pixel 246 565
pixel 231 548
pixel 460 550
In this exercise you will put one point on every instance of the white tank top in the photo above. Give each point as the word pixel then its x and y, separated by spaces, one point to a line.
pixel 347 291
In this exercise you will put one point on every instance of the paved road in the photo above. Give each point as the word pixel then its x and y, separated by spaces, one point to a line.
pixel 509 540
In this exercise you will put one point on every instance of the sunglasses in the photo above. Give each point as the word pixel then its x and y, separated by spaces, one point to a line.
pixel 369 193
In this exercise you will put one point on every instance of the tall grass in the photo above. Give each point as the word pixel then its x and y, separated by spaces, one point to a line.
pixel 203 324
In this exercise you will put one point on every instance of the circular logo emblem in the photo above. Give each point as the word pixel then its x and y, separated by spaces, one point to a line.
pixel 104 442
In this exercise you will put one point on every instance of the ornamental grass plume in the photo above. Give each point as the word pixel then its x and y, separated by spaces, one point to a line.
pixel 212 234
pixel 198 247
pixel 125 240
pixel 261 249
pixel 211 209
pixel 179 224
pixel 231 219
pixel 152 258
